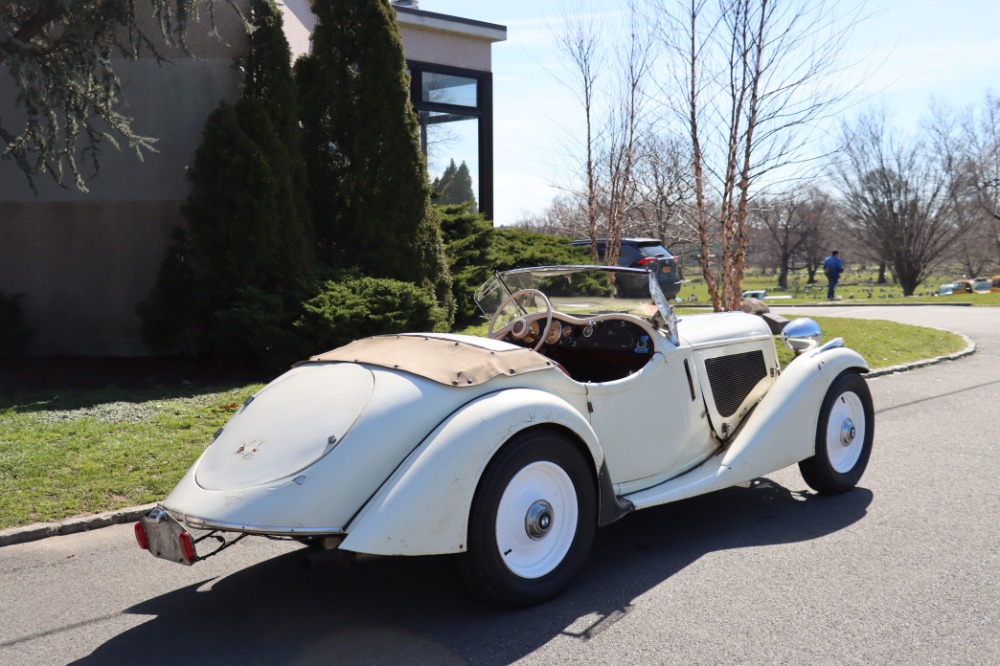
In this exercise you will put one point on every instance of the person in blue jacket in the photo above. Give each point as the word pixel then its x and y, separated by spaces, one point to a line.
pixel 832 267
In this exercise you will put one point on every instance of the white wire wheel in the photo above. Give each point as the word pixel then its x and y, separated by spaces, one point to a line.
pixel 532 519
pixel 845 432
pixel 844 436
pixel 536 520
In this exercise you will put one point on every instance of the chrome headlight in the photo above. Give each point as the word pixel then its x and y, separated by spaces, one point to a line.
pixel 801 335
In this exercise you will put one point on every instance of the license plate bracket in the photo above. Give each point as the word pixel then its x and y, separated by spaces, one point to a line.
pixel 163 533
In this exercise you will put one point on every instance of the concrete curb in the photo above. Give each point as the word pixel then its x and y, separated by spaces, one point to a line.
pixel 74 525
pixel 15 535
pixel 970 348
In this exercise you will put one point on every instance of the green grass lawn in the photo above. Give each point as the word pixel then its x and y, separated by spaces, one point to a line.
pixel 884 344
pixel 71 452
pixel 853 288
pixel 76 452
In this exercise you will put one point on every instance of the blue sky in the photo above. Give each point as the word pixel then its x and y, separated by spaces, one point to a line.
pixel 914 49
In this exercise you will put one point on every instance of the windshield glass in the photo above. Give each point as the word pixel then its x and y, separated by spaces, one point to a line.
pixel 579 291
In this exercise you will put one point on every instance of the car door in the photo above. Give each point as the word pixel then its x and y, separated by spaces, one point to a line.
pixel 651 424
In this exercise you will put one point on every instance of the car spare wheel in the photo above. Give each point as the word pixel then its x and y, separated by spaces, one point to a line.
pixel 533 519
pixel 843 436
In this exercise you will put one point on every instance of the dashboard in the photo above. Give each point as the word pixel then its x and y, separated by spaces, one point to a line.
pixel 597 349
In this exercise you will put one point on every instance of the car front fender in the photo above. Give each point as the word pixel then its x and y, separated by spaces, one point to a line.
pixel 423 508
pixel 781 431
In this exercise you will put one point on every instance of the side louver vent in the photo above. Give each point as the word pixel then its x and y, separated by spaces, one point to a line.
pixel 733 377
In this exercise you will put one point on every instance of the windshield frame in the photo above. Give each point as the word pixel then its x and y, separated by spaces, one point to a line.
pixel 506 280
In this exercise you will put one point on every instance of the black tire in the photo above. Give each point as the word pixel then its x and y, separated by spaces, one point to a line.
pixel 844 436
pixel 545 475
pixel 623 290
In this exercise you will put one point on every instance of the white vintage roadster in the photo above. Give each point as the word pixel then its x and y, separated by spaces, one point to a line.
pixel 576 409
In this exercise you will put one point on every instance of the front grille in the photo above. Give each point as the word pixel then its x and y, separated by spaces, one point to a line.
pixel 733 377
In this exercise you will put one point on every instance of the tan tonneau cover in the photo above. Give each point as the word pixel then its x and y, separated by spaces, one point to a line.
pixel 446 360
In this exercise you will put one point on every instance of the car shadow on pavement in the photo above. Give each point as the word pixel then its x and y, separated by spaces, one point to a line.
pixel 417 611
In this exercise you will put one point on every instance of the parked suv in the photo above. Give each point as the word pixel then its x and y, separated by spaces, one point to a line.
pixel 646 253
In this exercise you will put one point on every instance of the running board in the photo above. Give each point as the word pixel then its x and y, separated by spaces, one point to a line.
pixel 711 475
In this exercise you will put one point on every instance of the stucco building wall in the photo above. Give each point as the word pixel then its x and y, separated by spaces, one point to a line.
pixel 84 261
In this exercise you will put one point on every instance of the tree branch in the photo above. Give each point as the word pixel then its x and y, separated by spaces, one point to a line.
pixel 27 32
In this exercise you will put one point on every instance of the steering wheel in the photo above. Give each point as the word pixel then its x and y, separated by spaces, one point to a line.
pixel 507 301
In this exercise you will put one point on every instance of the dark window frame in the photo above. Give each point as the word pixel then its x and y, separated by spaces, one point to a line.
pixel 483 111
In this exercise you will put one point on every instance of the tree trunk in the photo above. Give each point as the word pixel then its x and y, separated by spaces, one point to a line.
pixel 783 268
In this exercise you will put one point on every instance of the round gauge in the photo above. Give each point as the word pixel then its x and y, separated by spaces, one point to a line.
pixel 554 333
pixel 534 330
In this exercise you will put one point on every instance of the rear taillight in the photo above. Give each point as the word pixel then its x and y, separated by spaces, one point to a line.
pixel 646 261
pixel 187 548
pixel 140 536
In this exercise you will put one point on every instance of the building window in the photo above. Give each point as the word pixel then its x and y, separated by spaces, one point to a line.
pixel 455 111
pixel 440 88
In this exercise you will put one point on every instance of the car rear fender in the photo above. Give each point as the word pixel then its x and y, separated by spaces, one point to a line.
pixel 423 508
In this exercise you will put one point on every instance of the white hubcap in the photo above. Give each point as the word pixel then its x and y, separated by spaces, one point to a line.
pixel 845 432
pixel 536 520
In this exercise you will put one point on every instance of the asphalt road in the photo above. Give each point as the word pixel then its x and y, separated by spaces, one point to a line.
pixel 905 569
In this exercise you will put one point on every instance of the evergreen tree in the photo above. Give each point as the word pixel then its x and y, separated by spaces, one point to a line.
pixel 267 77
pixel 454 186
pixel 235 276
pixel 236 253
pixel 267 70
pixel 368 184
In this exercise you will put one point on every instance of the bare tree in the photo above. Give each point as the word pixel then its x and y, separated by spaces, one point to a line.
pixel 899 198
pixel 961 154
pixel 565 216
pixel 981 143
pixel 615 114
pixel 757 76
pixel 579 42
pixel 663 191
pixel 626 125
pixel 794 226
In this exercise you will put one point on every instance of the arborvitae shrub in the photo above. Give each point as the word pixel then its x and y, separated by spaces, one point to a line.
pixel 368 188
pixel 233 280
pixel 239 252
